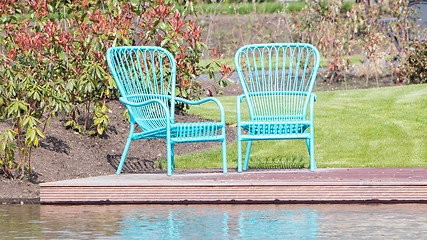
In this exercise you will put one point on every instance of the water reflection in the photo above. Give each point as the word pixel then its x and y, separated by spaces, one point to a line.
pixel 214 222
pixel 403 221
pixel 57 222
pixel 274 223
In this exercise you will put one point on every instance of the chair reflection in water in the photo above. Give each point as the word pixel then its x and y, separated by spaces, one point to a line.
pixel 218 222
pixel 146 78
pixel 277 82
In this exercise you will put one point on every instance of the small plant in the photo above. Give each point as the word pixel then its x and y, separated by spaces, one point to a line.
pixel 277 162
pixel 414 67
pixel 330 27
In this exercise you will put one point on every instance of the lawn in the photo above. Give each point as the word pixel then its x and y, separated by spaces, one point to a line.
pixel 378 127
pixel 245 7
pixel 249 7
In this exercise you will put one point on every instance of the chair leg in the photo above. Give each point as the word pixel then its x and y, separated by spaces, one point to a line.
pixel 307 141
pixel 248 151
pixel 311 151
pixel 224 156
pixel 125 151
pixel 173 157
pixel 169 156
pixel 239 155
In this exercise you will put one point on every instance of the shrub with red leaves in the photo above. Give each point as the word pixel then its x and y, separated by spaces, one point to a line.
pixel 160 24
pixel 52 59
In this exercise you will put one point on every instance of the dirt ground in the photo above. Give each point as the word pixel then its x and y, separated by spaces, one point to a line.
pixel 65 154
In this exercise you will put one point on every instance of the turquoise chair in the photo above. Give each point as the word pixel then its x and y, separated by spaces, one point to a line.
pixel 146 77
pixel 277 82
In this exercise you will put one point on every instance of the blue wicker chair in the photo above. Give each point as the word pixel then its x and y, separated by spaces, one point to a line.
pixel 146 78
pixel 277 82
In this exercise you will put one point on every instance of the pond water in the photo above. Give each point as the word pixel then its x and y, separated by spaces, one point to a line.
pixel 335 221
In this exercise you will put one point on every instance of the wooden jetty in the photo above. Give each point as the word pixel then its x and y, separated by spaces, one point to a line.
pixel 326 185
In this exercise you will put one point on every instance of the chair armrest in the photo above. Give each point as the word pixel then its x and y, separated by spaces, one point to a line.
pixel 209 99
pixel 132 104
pixel 140 104
pixel 239 100
pixel 314 96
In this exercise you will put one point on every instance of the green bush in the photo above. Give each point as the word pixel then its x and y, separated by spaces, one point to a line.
pixel 52 61
pixel 414 67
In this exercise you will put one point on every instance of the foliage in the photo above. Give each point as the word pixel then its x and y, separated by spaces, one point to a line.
pixel 160 24
pixel 91 30
pixel 324 26
pixel 339 30
pixel 53 61
pixel 402 27
pixel 31 89
pixel 414 68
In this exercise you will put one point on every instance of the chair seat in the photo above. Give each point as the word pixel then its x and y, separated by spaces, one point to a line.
pixel 188 132
pixel 275 128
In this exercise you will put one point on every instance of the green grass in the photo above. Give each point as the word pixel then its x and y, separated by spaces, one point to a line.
pixel 379 127
pixel 245 8
pixel 249 7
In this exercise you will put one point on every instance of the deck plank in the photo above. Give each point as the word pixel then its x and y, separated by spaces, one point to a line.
pixel 254 186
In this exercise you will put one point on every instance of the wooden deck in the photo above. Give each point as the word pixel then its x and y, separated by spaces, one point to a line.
pixel 385 185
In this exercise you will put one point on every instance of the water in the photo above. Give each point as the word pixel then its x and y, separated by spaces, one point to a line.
pixel 394 221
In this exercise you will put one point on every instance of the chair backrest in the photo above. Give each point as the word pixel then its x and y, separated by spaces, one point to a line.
pixel 143 73
pixel 277 79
